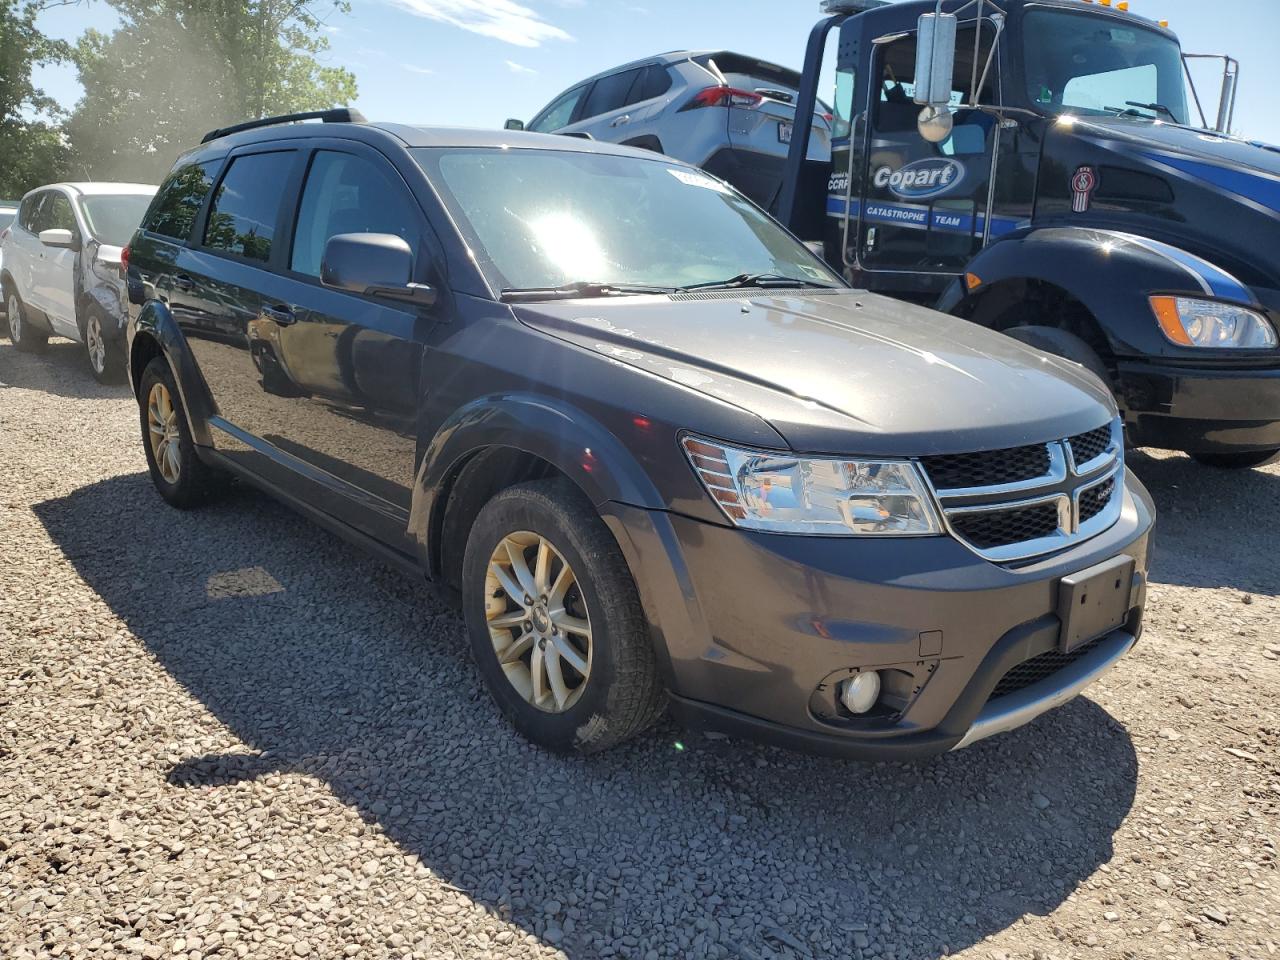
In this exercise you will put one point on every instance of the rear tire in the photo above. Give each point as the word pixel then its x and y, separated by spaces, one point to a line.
pixel 21 333
pixel 105 356
pixel 1236 461
pixel 1063 344
pixel 564 647
pixel 180 476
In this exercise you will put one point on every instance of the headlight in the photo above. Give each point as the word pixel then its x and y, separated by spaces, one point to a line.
pixel 783 493
pixel 1207 323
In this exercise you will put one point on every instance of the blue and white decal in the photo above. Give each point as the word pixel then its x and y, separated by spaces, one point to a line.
pixel 1257 186
pixel 1213 280
pixel 921 180
pixel 917 217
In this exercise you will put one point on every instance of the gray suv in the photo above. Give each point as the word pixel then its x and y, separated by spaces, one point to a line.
pixel 658 452
pixel 730 114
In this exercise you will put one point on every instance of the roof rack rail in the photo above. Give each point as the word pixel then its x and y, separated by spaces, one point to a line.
pixel 340 115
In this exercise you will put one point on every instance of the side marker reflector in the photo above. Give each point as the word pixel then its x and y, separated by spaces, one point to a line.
pixel 972 281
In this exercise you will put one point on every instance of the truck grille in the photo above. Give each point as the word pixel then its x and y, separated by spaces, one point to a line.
pixel 1027 501
pixel 989 469
pixel 1039 668
pixel 1089 446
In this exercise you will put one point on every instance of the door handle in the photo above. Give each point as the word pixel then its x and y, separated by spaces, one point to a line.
pixel 184 283
pixel 619 121
pixel 279 312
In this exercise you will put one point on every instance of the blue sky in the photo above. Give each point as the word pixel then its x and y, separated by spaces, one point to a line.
pixel 476 62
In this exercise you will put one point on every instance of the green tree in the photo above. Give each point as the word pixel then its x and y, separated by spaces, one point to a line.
pixel 32 149
pixel 176 69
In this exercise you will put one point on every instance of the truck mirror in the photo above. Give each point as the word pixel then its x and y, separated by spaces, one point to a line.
pixel 935 58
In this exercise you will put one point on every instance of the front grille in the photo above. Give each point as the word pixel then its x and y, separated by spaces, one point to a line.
pixel 1039 668
pixel 999 528
pixel 1094 500
pixel 987 469
pixel 1091 445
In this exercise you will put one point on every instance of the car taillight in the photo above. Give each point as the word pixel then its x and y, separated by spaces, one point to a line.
pixel 724 97
pixel 124 263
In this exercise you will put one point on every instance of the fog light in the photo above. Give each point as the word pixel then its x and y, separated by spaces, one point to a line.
pixel 859 693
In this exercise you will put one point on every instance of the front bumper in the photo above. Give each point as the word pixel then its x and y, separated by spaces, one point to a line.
pixel 751 627
pixel 1201 410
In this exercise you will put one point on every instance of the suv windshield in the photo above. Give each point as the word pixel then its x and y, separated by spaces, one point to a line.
pixel 112 220
pixel 546 218
pixel 1087 64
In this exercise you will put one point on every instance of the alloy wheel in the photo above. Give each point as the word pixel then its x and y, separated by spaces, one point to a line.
pixel 163 434
pixel 95 344
pixel 15 318
pixel 538 621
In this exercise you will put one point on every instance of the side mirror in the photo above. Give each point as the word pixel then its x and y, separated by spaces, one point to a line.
pixel 513 124
pixel 63 239
pixel 935 59
pixel 374 264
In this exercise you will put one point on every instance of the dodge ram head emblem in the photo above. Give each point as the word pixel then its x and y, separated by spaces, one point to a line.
pixel 1083 182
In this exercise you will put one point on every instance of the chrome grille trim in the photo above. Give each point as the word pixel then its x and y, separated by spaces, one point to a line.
pixel 1064 485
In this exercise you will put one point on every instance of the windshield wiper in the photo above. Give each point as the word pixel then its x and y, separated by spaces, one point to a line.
pixel 757 280
pixel 1156 108
pixel 581 288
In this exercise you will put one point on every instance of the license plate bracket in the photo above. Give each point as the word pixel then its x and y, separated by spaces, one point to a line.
pixel 1093 602
pixel 785 128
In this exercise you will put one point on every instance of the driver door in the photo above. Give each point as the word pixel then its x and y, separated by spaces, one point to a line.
pixel 923 205
pixel 53 272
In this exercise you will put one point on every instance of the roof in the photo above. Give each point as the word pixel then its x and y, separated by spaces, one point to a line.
pixel 92 188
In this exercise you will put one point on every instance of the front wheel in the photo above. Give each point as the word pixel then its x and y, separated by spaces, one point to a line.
pixel 1062 343
pixel 555 622
pixel 1237 461
pixel 106 356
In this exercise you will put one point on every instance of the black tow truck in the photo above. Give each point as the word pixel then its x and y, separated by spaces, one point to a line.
pixel 1033 166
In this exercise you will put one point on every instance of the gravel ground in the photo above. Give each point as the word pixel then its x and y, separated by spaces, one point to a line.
pixel 227 733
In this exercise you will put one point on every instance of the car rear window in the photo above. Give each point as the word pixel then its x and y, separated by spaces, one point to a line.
pixel 173 211
pixel 750 73
pixel 246 206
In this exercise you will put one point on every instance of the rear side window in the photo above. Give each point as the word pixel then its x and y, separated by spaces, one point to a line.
pixel 347 194
pixel 654 82
pixel 173 212
pixel 609 93
pixel 560 113
pixel 246 206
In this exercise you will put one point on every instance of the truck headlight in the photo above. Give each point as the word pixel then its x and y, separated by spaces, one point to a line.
pixel 1189 322
pixel 783 493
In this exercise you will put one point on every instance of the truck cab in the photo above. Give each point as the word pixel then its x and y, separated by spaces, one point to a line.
pixel 1055 185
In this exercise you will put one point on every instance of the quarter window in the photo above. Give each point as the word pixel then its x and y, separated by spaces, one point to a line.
pixel 347 194
pixel 173 212
pixel 246 206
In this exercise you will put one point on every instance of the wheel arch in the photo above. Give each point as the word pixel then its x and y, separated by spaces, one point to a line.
pixel 155 334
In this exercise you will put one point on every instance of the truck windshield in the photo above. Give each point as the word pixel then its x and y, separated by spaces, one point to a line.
pixel 1095 66
pixel 548 218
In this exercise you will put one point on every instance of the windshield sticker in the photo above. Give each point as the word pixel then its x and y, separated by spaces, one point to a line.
pixel 693 179
pixel 921 180
pixel 1083 182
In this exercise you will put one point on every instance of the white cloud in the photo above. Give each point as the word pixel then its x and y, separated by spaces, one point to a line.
pixel 519 67
pixel 414 68
pixel 503 20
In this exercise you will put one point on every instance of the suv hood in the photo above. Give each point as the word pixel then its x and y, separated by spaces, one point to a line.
pixel 845 372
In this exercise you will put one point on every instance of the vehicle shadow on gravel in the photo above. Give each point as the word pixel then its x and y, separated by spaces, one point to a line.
pixel 61 371
pixel 1215 528
pixel 328 664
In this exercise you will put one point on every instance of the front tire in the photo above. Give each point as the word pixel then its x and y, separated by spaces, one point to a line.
pixel 179 475
pixel 1237 461
pixel 105 356
pixel 22 334
pixel 1062 343
pixel 555 622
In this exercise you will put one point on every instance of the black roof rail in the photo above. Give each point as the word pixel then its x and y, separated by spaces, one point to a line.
pixel 340 115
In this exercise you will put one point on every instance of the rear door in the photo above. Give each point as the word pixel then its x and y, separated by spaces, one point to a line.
pixel 605 112
pixel 339 371
pixel 22 249
pixel 220 286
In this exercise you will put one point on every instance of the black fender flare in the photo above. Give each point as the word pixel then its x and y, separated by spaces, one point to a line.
pixel 548 428
pixel 154 321
pixel 1112 273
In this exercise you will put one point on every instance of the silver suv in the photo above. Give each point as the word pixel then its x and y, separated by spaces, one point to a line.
pixel 730 114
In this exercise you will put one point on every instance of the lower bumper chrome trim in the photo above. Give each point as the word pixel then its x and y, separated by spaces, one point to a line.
pixel 1017 709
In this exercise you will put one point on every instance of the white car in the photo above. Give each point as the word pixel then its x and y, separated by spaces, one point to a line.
pixel 7 214
pixel 60 268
